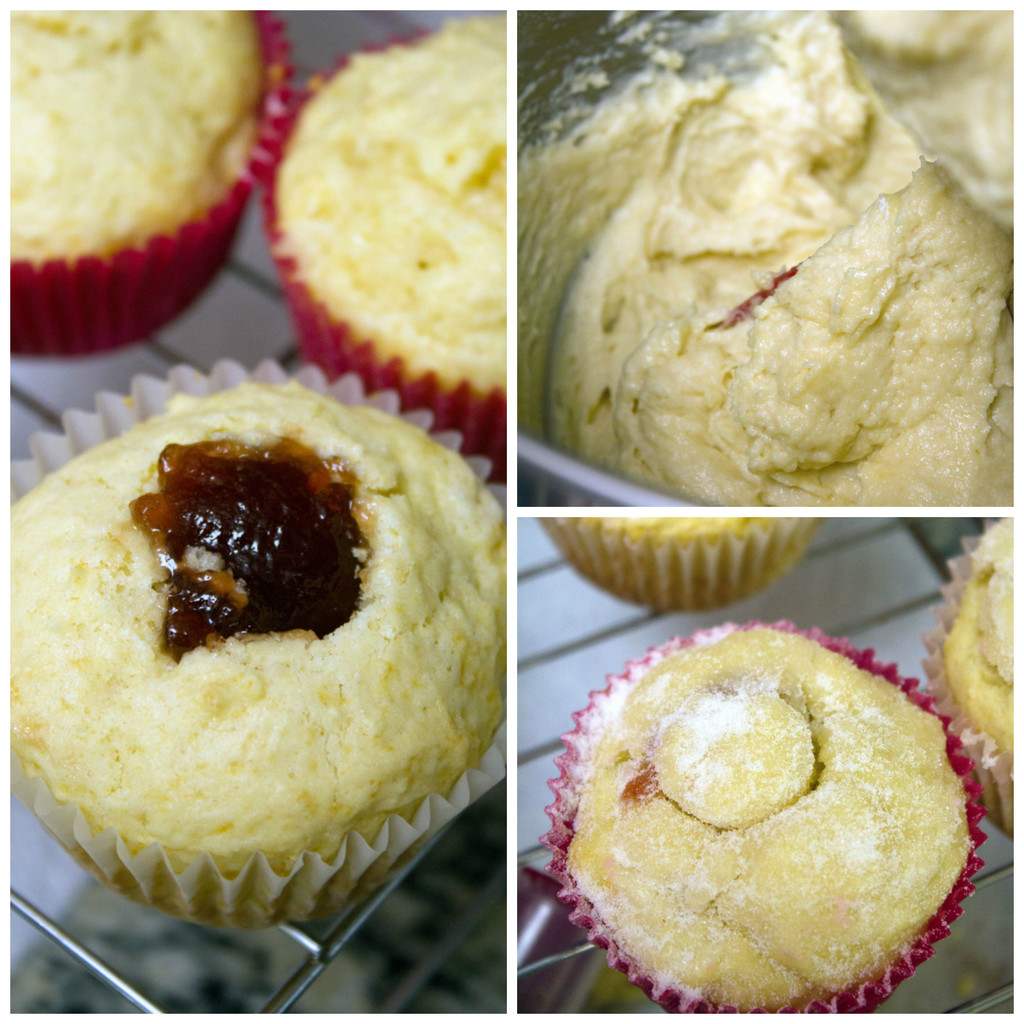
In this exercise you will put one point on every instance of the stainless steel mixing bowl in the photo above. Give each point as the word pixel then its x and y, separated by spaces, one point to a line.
pixel 556 51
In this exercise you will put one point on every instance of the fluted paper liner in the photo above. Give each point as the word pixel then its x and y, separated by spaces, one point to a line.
pixel 992 768
pixel 257 897
pixel 97 303
pixel 683 574
pixel 678 999
pixel 332 343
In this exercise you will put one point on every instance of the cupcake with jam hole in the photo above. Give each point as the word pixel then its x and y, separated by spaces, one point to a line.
pixel 265 660
pixel 759 818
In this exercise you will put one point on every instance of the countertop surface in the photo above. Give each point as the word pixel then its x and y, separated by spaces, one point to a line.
pixel 437 943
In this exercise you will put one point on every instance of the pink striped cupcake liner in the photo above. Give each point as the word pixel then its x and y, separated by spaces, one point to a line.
pixel 572 763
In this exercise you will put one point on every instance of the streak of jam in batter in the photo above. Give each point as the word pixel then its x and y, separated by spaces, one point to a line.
pixel 745 309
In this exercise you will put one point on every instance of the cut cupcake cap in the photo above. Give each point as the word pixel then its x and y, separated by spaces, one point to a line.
pixel 587 782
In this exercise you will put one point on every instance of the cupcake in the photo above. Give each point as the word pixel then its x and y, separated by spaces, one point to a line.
pixel 759 818
pixel 970 663
pixel 680 562
pixel 264 660
pixel 136 138
pixel 387 220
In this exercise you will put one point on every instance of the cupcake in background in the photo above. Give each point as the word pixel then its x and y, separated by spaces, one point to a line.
pixel 238 759
pixel 682 563
pixel 970 662
pixel 387 220
pixel 763 818
pixel 136 139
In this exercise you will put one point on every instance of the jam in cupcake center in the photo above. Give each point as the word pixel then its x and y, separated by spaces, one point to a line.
pixel 256 540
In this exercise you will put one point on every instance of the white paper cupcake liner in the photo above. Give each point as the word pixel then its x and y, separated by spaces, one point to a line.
pixel 257 896
pixel 992 768
pixel 683 574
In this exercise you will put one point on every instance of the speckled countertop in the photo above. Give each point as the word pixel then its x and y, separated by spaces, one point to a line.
pixel 437 943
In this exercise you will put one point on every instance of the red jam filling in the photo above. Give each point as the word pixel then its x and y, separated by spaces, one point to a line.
pixel 256 539
pixel 642 784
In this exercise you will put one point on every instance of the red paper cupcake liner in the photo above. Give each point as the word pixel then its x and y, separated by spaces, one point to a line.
pixel 332 344
pixel 861 999
pixel 94 304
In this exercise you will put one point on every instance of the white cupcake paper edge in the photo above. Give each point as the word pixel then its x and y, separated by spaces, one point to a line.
pixel 993 769
pixel 668 573
pixel 106 853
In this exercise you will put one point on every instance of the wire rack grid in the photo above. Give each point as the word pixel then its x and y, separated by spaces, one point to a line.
pixel 316 944
pixel 873 580
pixel 319 952
pixel 242 316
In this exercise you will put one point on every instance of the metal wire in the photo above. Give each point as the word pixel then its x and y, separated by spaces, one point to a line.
pixel 319 952
pixel 95 964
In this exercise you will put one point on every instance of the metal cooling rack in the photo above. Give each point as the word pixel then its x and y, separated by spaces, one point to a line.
pixel 869 579
pixel 318 943
pixel 242 316
pixel 319 951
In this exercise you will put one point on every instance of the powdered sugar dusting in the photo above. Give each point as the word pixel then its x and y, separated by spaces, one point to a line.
pixel 861 846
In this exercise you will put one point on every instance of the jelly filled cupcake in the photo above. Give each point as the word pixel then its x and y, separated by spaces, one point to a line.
pixel 763 819
pixel 265 660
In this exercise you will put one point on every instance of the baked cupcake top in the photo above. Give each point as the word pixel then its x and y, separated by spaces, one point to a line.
pixel 277 741
pixel 391 199
pixel 979 648
pixel 676 527
pixel 125 124
pixel 761 822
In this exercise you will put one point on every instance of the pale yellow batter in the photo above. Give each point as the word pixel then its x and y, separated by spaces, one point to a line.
pixel 949 77
pixel 879 349
pixel 681 197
